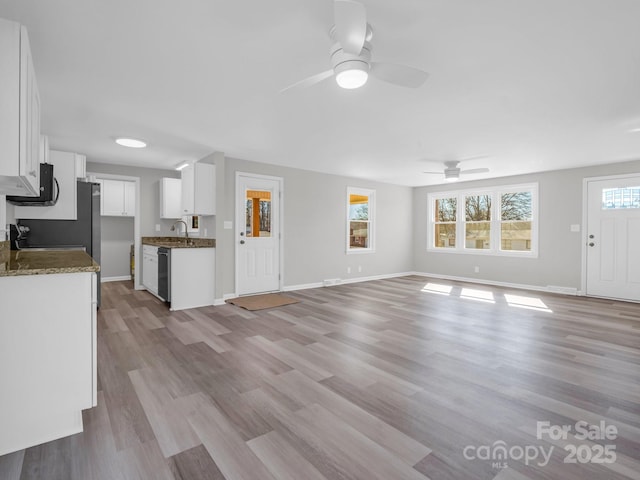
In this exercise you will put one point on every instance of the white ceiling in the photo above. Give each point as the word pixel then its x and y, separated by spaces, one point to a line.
pixel 532 84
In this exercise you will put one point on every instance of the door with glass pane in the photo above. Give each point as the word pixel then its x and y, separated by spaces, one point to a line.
pixel 257 234
pixel 613 238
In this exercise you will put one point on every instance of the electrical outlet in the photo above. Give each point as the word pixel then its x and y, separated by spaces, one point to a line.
pixel 359 268
pixel 348 269
pixel 476 269
pixel 157 227
pixel 205 232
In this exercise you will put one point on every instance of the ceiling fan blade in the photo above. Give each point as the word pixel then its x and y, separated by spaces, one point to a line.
pixel 308 82
pixel 475 170
pixel 399 74
pixel 474 157
pixel 435 173
pixel 351 25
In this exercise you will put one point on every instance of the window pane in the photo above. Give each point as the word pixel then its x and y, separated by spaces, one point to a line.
pixel 516 206
pixel 478 235
pixel 625 197
pixel 446 209
pixel 358 234
pixel 358 207
pixel 516 236
pixel 477 208
pixel 445 235
pixel 258 213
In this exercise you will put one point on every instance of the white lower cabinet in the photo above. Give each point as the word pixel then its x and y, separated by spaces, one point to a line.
pixel 192 277
pixel 150 268
pixel 47 356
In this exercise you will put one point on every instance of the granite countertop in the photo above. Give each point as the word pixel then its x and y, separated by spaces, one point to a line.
pixel 21 262
pixel 179 242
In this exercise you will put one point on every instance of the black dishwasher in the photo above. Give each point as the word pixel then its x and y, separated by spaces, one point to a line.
pixel 164 273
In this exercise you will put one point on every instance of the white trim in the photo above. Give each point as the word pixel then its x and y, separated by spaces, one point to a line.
pixel 302 286
pixel 371 195
pixel 115 279
pixel 585 220
pixel 583 232
pixel 346 281
pixel 239 225
pixel 549 288
pixel 136 222
pixel 495 222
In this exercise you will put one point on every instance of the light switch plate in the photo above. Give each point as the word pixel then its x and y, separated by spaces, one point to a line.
pixel 228 225
pixel 575 227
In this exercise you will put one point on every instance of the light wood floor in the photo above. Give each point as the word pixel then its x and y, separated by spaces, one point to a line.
pixel 384 380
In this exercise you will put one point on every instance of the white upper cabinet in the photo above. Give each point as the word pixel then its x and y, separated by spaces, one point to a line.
pixel 117 198
pixel 170 198
pixel 19 114
pixel 199 189
pixel 65 173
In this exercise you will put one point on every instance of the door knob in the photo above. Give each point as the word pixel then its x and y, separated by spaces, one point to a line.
pixel 591 244
pixel 241 242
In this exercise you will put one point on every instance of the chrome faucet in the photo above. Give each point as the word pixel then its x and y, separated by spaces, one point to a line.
pixel 186 233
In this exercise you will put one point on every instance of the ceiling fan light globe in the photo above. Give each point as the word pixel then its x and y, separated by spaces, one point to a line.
pixel 451 179
pixel 351 79
pixel 352 74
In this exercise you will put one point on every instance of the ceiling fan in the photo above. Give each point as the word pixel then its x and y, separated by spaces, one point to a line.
pixel 351 54
pixel 452 172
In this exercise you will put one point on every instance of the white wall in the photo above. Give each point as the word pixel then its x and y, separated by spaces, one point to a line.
pixel 314 226
pixel 149 194
pixel 559 262
pixel 117 233
pixel 116 239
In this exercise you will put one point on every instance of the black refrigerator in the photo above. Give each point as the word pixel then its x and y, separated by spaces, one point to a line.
pixel 85 231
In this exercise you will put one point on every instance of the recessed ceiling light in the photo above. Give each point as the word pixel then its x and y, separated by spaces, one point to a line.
pixel 182 165
pixel 131 142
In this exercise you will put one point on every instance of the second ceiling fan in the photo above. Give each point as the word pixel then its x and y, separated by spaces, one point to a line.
pixel 452 172
pixel 351 54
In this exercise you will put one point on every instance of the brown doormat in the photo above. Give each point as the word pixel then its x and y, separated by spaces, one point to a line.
pixel 260 302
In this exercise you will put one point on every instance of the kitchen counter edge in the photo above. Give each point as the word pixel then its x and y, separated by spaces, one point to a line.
pixel 179 242
pixel 17 263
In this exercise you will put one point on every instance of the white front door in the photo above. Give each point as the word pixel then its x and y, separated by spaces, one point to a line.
pixel 257 234
pixel 613 238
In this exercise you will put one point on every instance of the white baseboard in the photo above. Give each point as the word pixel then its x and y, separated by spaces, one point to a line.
pixel 344 281
pixel 549 288
pixel 115 279
pixel 302 286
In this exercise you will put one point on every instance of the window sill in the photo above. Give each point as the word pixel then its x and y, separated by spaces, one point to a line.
pixel 359 251
pixel 491 253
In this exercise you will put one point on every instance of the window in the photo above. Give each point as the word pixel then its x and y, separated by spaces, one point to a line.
pixel 516 220
pixel 445 222
pixel 495 221
pixel 477 227
pixel 622 197
pixel 360 220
